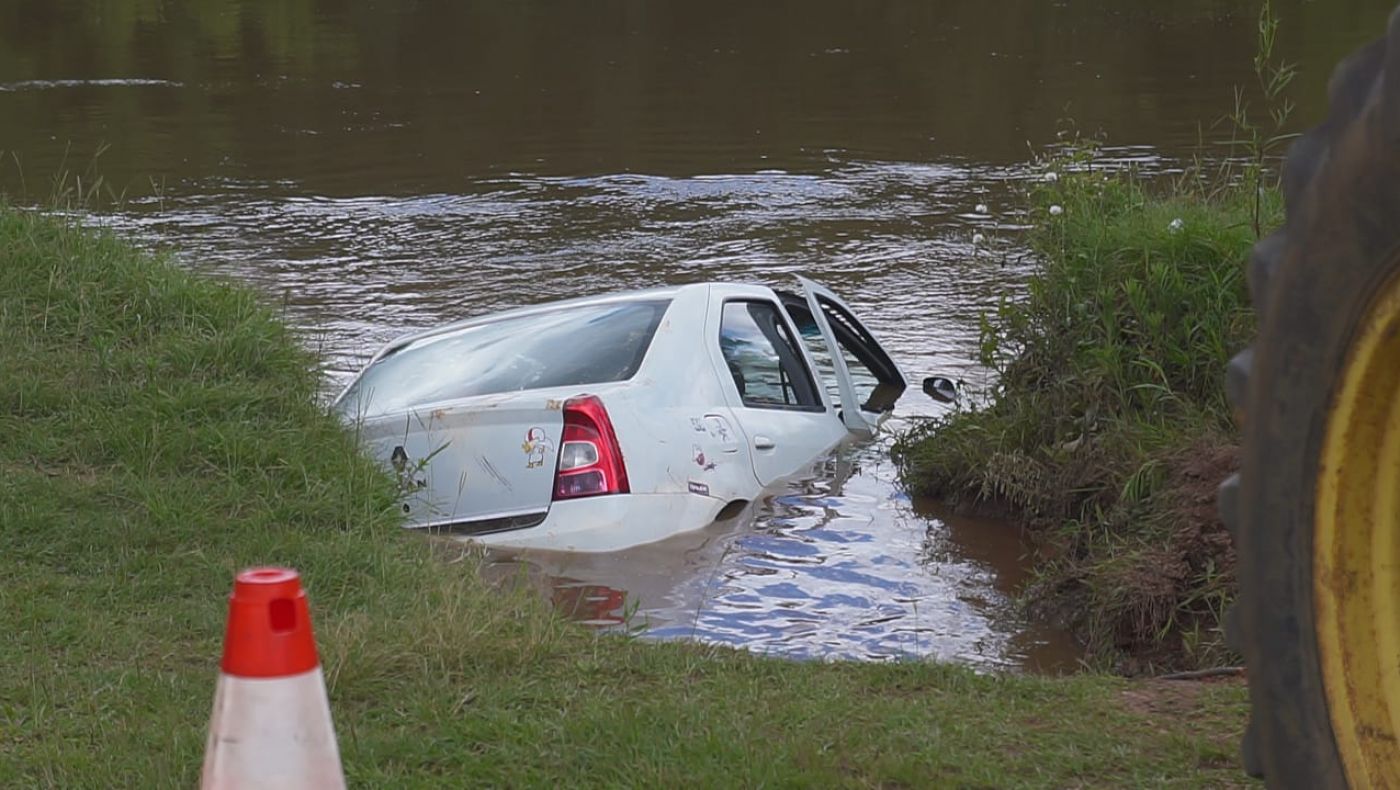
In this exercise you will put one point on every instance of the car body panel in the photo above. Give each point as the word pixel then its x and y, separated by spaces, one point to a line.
pixel 611 523
pixel 676 432
pixel 489 457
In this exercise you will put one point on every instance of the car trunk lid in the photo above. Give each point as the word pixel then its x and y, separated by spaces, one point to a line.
pixel 486 462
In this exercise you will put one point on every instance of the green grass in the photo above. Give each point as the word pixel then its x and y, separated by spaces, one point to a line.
pixel 158 432
pixel 1108 430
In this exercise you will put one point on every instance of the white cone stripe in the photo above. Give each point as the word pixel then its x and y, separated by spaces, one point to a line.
pixel 272 733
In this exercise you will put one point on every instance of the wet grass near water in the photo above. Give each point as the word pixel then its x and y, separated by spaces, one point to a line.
pixel 1108 430
pixel 159 431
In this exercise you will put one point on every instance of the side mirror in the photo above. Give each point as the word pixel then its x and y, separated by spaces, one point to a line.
pixel 941 389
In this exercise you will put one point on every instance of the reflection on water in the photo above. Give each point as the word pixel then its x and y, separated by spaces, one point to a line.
pixel 590 604
pixel 376 168
pixel 836 564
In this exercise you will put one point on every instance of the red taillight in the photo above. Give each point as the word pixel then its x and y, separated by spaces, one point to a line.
pixel 590 459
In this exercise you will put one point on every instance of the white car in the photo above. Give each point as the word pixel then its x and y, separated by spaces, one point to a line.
pixel 602 423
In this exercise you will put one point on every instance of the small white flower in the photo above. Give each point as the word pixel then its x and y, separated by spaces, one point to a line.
pixel 1176 225
pixel 1056 211
pixel 981 208
pixel 1052 176
pixel 978 238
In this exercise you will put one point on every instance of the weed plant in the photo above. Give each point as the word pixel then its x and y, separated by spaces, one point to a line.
pixel 1260 141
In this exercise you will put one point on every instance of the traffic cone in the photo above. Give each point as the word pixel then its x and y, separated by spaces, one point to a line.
pixel 271 726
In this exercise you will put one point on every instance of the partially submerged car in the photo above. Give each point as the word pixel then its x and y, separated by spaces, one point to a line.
pixel 601 423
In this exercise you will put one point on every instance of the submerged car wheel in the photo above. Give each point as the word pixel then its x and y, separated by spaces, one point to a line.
pixel 1316 509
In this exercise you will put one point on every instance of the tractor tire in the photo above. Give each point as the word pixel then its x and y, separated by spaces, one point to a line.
pixel 1315 510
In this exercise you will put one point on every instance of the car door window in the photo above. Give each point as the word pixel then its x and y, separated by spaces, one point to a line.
pixel 872 374
pixel 764 359
pixel 864 380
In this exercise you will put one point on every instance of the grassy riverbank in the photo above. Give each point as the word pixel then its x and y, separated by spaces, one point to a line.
pixel 1108 431
pixel 159 433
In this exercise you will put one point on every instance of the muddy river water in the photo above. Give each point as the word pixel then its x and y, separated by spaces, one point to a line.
pixel 382 167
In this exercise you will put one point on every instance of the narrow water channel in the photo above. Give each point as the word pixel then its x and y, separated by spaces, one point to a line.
pixel 377 168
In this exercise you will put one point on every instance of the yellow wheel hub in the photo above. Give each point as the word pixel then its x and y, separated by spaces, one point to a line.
pixel 1356 551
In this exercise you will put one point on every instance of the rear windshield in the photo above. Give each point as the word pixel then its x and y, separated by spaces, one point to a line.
pixel 572 346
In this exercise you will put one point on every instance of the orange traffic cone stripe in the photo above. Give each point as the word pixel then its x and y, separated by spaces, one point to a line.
pixel 269 626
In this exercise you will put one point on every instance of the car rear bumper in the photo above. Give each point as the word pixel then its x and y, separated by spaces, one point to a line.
pixel 610 523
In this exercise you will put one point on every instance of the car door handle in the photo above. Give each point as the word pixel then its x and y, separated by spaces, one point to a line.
pixel 763 443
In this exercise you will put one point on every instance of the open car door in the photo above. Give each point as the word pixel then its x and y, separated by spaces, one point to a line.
pixel 866 382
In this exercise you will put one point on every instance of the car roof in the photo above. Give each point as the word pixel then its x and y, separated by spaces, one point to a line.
pixel 642 295
pixel 647 294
